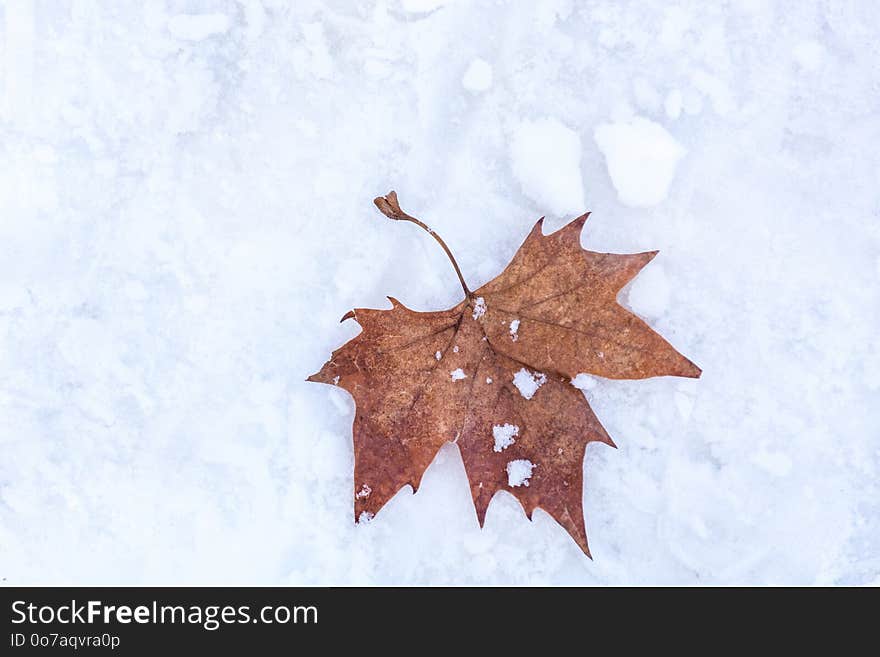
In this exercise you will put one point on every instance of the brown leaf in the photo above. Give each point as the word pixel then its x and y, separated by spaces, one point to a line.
pixel 493 374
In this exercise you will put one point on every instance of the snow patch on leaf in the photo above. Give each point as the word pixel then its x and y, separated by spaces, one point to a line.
pixel 504 435
pixel 479 308
pixel 519 472
pixel 528 382
pixel 458 375
pixel 514 327
pixel 364 492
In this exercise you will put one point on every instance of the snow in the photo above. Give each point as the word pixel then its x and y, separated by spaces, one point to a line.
pixel 545 156
pixel 519 472
pixel 458 374
pixel 776 463
pixel 650 292
pixel 479 308
pixel 584 381
pixel 478 76
pixel 642 157
pixel 196 27
pixel 528 382
pixel 809 54
pixel 673 104
pixel 423 6
pixel 503 436
pixel 438 355
pixel 514 328
pixel 183 222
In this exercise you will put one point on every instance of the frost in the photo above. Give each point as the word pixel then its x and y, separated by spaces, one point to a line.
pixel 504 435
pixel 528 383
pixel 458 375
pixel 479 308
pixel 364 492
pixel 488 380
pixel 336 380
pixel 519 472
pixel 514 327
pixel 455 349
pixel 438 355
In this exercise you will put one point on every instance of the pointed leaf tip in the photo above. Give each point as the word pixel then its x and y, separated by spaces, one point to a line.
pixel 481 517
pixel 573 228
pixel 578 222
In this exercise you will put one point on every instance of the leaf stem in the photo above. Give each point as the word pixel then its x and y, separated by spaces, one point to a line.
pixel 389 206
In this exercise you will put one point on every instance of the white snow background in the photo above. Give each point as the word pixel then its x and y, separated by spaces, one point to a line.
pixel 185 214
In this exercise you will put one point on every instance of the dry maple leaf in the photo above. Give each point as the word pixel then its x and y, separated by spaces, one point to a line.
pixel 494 375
